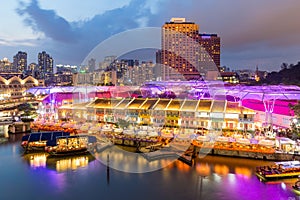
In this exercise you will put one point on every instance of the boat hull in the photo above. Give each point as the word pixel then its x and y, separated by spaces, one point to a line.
pixel 68 153
pixel 296 190
pixel 280 170
pixel 278 176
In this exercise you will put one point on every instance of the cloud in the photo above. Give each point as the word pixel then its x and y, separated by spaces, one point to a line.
pixel 18 43
pixel 75 39
pixel 48 22
pixel 275 27
pixel 254 29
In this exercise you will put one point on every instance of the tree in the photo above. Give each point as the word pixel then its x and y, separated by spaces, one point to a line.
pixel 123 123
pixel 296 108
pixel 295 124
pixel 26 110
pixel 288 75
pixel 284 66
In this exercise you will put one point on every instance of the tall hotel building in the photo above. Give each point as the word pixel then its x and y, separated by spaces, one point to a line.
pixel 186 54
pixel 20 62
pixel 179 52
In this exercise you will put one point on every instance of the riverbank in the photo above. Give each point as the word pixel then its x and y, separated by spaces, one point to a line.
pixel 277 156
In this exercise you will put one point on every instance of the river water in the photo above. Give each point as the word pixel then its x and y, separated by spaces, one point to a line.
pixel 37 177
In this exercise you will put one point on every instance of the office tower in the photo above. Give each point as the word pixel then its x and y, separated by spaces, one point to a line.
pixel 20 62
pixel 139 73
pixel 106 62
pixel 91 65
pixel 45 65
pixel 211 44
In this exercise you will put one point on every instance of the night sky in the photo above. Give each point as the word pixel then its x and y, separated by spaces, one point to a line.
pixel 253 33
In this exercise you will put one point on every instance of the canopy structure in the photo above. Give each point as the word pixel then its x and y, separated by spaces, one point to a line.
pixel 214 90
pixel 267 94
pixel 267 142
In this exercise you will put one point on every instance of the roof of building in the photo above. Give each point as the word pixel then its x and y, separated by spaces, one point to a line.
pixel 217 106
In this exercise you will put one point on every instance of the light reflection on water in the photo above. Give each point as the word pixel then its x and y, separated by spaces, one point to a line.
pixel 82 177
pixel 59 164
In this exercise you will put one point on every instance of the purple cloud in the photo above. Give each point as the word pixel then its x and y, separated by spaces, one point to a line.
pixel 251 31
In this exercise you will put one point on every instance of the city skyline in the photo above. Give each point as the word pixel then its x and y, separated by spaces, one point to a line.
pixel 252 34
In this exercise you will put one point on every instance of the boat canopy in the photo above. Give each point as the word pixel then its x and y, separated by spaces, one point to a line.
pixel 25 138
pixel 92 139
pixel 43 136
pixel 53 142
pixel 289 164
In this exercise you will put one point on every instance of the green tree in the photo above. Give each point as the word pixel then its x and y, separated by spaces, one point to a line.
pixel 295 124
pixel 296 108
pixel 26 110
pixel 123 123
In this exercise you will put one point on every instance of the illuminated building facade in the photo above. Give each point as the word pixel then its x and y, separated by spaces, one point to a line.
pixel 211 44
pixel 45 67
pixel 189 114
pixel 20 62
pixel 15 87
pixel 139 74
pixel 179 52
pixel 229 77
pixel 6 65
pixel 186 54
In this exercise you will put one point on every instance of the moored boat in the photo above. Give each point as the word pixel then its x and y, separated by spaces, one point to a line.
pixel 37 141
pixel 296 186
pixel 279 170
pixel 70 145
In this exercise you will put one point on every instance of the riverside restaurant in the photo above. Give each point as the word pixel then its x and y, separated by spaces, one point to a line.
pixel 191 115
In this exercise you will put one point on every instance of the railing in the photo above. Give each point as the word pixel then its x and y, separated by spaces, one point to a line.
pixel 245 120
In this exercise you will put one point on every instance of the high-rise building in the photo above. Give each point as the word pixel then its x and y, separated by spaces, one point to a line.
pixel 107 61
pixel 185 53
pixel 6 65
pixel 121 67
pixel 92 64
pixel 20 62
pixel 32 67
pixel 179 52
pixel 139 73
pixel 211 44
pixel 45 66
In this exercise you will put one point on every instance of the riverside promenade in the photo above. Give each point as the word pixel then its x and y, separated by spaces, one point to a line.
pixel 273 156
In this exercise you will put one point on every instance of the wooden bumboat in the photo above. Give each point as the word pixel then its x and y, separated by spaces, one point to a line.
pixel 280 170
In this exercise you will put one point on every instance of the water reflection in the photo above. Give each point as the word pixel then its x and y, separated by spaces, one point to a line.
pixel 71 163
pixel 243 171
pixel 59 164
pixel 79 177
pixel 126 161
pixel 221 169
pixel 203 169
pixel 38 161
